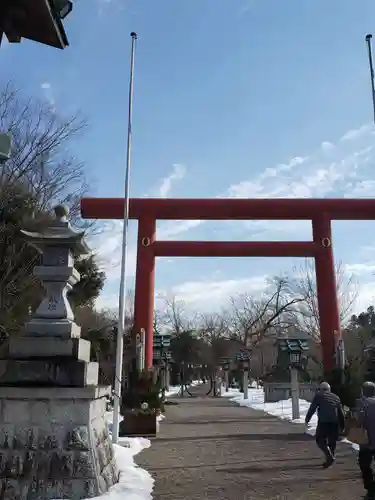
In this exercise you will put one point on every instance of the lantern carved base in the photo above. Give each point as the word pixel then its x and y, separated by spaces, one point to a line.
pixel 48 373
pixel 63 328
pixel 54 443
pixel 45 347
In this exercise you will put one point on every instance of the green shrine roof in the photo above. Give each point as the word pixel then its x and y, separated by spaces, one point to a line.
pixel 291 345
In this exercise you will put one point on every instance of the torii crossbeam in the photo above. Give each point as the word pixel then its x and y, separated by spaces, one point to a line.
pixel 319 211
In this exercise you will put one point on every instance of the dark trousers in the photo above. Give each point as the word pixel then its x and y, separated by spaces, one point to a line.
pixel 327 435
pixel 365 458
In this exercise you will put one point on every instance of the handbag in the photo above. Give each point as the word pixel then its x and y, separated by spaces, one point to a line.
pixel 357 435
pixel 354 432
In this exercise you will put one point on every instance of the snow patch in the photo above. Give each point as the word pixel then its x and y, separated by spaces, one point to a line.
pixel 281 409
pixel 134 483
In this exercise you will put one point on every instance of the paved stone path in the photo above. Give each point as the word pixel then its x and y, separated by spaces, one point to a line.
pixel 212 449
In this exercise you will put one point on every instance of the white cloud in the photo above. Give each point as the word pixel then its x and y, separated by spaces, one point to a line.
pixel 172 229
pixel 363 189
pixel 102 6
pixel 108 243
pixel 331 170
pixel 108 246
pixel 246 6
pixel 361 268
pixel 339 169
pixel 353 134
pixel 334 171
pixel 212 295
pixel 49 95
pixel 166 184
pixel 327 146
pixel 366 297
pixel 107 301
pixel 209 295
pixel 258 186
pixel 314 176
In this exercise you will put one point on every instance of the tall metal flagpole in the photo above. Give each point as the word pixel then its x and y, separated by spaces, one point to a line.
pixel 122 294
pixel 369 48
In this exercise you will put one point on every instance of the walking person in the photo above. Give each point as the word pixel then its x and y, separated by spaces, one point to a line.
pixel 331 421
pixel 365 412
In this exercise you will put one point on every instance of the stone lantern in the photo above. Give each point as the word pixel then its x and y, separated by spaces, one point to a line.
pixel 294 344
pixel 58 244
pixel 54 440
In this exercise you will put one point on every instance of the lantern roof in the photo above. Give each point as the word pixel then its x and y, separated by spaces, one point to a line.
pixel 59 233
pixel 293 340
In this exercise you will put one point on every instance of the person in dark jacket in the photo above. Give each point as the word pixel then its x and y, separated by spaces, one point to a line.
pixel 331 421
pixel 365 410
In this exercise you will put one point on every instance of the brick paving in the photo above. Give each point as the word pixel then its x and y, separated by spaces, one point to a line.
pixel 210 448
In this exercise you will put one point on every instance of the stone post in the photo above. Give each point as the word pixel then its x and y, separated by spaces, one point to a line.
pixel 295 393
pixel 54 440
pixel 245 375
pixel 167 376
pixel 226 380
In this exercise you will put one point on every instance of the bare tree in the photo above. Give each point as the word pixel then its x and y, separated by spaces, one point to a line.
pixel 129 312
pixel 215 332
pixel 41 161
pixel 40 173
pixel 159 319
pixel 254 318
pixel 176 318
pixel 214 326
pixel 307 312
pixel 100 328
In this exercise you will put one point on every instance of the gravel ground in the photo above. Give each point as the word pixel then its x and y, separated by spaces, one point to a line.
pixel 210 448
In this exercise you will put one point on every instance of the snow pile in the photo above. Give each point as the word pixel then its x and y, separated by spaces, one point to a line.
pixel 281 409
pixel 175 389
pixel 134 483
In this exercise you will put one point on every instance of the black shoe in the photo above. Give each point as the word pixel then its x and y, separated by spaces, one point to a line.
pixel 370 495
pixel 329 461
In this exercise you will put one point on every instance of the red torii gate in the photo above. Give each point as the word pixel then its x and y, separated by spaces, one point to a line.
pixel 320 211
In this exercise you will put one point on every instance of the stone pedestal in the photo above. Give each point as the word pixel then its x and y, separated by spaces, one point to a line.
pixel 138 425
pixel 54 441
pixel 281 391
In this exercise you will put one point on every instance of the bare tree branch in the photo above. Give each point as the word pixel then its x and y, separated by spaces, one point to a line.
pixel 41 172
pixel 176 318
pixel 254 318
pixel 307 313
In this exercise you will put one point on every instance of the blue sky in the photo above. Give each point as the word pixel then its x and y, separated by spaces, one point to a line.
pixel 249 98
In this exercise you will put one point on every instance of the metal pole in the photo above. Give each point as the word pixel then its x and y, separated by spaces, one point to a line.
pixel 369 49
pixel 143 348
pixel 182 379
pixel 167 383
pixel 295 393
pixel 122 293
pixel 245 384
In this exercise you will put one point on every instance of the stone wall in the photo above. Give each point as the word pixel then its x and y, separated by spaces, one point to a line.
pixel 280 391
pixel 54 448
